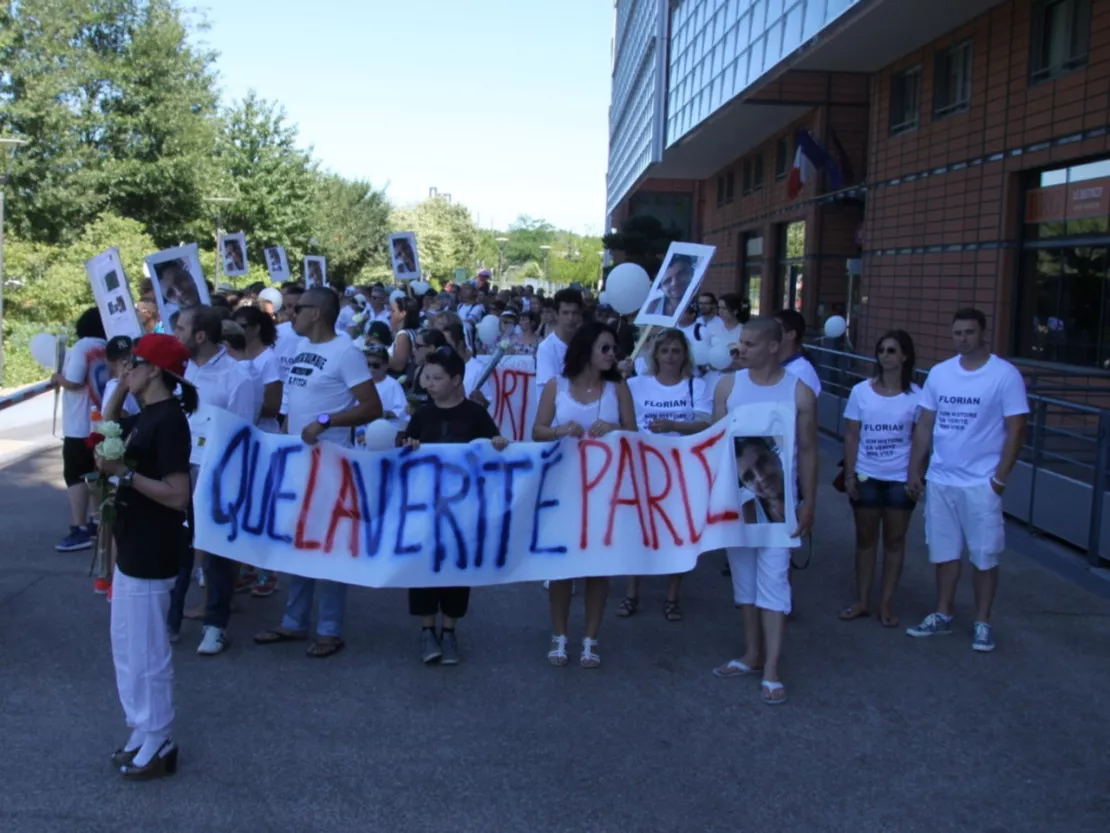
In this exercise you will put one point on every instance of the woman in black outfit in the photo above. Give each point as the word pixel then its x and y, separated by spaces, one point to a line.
pixel 152 539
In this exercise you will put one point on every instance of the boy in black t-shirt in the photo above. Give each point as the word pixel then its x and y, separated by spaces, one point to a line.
pixel 447 417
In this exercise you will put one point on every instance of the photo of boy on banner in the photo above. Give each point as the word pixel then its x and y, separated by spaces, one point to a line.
pixel 761 480
pixel 178 279
pixel 402 252
pixel 315 271
pixel 676 285
pixel 113 295
pixel 234 250
pixel 277 264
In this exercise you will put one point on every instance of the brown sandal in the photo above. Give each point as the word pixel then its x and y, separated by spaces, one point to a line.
pixel 628 607
pixel 322 649
pixel 672 611
pixel 276 635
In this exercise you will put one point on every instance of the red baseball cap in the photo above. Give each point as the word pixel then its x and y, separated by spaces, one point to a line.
pixel 162 351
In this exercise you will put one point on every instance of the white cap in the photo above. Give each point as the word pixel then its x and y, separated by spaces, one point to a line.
pixel 272 295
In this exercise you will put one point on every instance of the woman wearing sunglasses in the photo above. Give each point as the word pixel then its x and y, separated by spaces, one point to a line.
pixel 152 541
pixel 880 417
pixel 591 398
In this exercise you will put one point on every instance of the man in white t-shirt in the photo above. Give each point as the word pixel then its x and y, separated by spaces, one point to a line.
pixel 328 393
pixel 221 382
pixel 973 415
pixel 83 377
pixel 708 321
pixel 792 352
pixel 552 351
pixel 379 304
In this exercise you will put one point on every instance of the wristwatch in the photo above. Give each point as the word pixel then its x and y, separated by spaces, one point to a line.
pixel 126 478
pixel 324 420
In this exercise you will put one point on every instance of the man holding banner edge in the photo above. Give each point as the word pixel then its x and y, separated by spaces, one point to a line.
pixel 760 575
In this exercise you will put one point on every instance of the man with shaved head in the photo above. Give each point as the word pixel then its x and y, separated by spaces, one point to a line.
pixel 328 393
pixel 761 575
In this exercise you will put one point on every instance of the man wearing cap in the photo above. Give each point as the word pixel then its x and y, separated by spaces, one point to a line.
pixel 328 394
pixel 221 382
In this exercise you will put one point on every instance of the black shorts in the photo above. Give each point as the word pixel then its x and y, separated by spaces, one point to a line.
pixel 883 494
pixel 77 460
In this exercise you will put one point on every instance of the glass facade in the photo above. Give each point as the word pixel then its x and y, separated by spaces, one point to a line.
pixel 718 48
pixel 636 99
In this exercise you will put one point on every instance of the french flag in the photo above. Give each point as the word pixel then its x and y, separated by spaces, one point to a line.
pixel 810 156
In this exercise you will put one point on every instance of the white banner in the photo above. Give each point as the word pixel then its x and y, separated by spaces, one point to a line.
pixel 467 515
pixel 113 295
pixel 515 396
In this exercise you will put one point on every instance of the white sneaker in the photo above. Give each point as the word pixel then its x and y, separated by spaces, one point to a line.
pixel 215 641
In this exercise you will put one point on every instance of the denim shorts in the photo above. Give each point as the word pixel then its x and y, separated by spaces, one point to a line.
pixel 883 494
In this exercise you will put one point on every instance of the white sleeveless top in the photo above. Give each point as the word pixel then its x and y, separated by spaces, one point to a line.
pixel 747 392
pixel 568 409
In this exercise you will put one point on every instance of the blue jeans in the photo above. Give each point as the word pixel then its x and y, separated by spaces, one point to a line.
pixel 298 607
pixel 178 593
pixel 219 576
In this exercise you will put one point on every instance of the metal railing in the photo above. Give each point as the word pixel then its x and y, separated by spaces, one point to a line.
pixel 1061 477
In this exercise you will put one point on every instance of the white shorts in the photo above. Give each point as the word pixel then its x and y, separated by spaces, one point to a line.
pixel 964 517
pixel 761 576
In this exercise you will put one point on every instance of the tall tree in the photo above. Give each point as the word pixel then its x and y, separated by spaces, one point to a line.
pixel 526 236
pixel 446 236
pixel 350 222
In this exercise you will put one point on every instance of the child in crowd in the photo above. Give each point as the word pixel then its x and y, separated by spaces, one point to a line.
pixel 394 402
pixel 447 417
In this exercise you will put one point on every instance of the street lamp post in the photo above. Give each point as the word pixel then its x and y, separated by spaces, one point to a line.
pixel 219 202
pixel 501 241
pixel 6 144
pixel 546 251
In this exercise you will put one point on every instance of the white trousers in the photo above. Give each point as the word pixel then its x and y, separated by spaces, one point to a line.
pixel 761 577
pixel 141 651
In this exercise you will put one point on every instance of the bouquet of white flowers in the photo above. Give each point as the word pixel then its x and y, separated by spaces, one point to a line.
pixel 106 442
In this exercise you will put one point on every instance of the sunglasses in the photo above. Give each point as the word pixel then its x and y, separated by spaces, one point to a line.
pixel 134 361
pixel 299 308
pixel 606 349
pixel 375 365
pixel 888 351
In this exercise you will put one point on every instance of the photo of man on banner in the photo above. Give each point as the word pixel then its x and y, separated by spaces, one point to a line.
pixel 113 295
pixel 234 249
pixel 277 264
pixel 315 271
pixel 402 252
pixel 178 279
pixel 676 285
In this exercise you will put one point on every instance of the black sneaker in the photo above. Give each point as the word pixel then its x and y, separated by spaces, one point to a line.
pixel 449 645
pixel 430 651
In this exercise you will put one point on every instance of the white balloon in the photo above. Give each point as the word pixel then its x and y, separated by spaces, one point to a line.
pixel 381 435
pixel 627 288
pixel 44 347
pixel 395 294
pixel 835 326
pixel 700 351
pixel 489 330
pixel 420 287
pixel 719 356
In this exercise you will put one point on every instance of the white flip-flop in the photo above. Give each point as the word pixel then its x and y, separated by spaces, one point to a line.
pixel 735 668
pixel 771 687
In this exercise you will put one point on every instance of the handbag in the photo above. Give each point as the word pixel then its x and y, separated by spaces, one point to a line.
pixel 839 481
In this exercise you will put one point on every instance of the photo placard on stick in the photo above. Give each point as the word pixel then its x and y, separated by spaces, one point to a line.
pixel 178 280
pixel 676 285
pixel 277 264
pixel 113 295
pixel 402 252
pixel 315 271
pixel 233 248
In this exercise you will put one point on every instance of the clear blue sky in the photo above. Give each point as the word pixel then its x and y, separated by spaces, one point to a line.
pixel 502 103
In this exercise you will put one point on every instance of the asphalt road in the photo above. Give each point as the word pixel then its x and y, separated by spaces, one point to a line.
pixel 882 732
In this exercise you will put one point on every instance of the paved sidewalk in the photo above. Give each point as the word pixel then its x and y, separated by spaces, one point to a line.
pixel 882 732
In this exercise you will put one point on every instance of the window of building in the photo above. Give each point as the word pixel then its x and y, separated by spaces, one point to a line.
pixel 1064 285
pixel 905 100
pixel 1061 36
pixel 730 186
pixel 789 282
pixel 747 176
pixel 781 162
pixel 952 80
pixel 757 173
pixel 751 269
pixel 720 191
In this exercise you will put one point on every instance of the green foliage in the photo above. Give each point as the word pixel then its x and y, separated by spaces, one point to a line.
pixel 350 223
pixel 526 236
pixel 446 236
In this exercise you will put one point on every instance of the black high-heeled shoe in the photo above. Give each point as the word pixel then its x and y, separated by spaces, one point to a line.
pixel 162 764
pixel 124 756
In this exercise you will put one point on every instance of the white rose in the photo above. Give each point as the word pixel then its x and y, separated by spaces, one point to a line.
pixel 110 430
pixel 111 448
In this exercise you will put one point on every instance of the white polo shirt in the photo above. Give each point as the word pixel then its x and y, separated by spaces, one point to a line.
pixel 221 382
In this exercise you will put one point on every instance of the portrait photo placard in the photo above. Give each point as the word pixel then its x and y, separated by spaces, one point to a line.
pixel 113 295
pixel 403 254
pixel 178 280
pixel 277 264
pixel 315 271
pixel 676 285
pixel 233 249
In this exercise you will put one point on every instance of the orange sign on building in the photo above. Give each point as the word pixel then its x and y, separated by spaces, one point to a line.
pixel 1072 201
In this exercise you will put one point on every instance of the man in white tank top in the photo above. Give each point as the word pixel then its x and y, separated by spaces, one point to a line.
pixel 761 575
